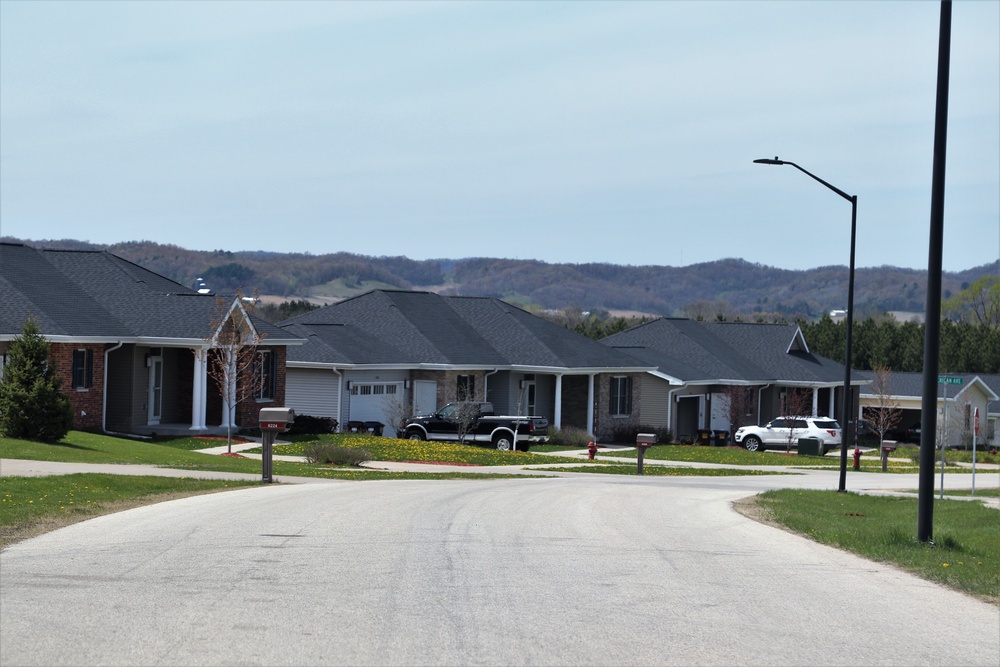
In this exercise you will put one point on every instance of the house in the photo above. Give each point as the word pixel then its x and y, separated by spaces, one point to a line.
pixel 701 368
pixel 961 396
pixel 387 354
pixel 131 346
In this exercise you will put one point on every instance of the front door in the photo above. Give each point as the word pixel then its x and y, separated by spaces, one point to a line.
pixel 155 390
pixel 424 397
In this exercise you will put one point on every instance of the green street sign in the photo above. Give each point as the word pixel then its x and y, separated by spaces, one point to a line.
pixel 944 379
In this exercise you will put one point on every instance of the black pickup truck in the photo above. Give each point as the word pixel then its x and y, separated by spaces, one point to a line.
pixel 476 423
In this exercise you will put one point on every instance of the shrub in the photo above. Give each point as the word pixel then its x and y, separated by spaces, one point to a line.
pixel 321 452
pixel 569 436
pixel 31 405
pixel 308 425
pixel 626 435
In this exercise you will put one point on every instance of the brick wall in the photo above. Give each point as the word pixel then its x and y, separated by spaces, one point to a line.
pixel 87 402
pixel 248 411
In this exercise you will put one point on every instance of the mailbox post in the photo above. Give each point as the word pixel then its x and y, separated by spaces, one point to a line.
pixel 642 442
pixel 272 422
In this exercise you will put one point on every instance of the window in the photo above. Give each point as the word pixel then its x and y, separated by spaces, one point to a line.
pixel 466 388
pixel 621 396
pixel 83 369
pixel 265 375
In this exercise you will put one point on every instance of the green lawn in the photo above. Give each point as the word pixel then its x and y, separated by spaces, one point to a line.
pixel 422 451
pixel 175 453
pixel 966 550
pixel 726 455
pixel 33 505
pixel 663 471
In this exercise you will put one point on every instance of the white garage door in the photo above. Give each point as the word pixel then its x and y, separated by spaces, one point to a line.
pixel 369 401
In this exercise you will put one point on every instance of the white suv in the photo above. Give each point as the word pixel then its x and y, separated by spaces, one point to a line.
pixel 785 431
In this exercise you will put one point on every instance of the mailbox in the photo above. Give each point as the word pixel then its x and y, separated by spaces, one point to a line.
pixel 642 441
pixel 272 422
pixel 645 439
pixel 276 419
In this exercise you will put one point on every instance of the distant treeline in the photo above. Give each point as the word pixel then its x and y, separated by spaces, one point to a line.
pixel 964 347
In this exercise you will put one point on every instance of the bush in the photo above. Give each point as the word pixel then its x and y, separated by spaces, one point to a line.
pixel 320 452
pixel 308 425
pixel 569 436
pixel 31 405
pixel 626 435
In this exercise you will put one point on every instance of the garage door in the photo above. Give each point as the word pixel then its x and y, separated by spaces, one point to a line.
pixel 369 401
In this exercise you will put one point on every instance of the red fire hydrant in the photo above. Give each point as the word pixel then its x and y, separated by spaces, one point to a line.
pixel 857 458
pixel 591 450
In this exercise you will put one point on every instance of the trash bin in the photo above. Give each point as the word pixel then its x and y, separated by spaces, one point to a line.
pixel 722 438
pixel 809 447
pixel 704 436
pixel 375 428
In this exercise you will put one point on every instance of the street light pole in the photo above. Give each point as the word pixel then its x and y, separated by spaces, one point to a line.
pixel 848 403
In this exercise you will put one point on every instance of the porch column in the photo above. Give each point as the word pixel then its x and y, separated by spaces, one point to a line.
pixel 199 383
pixel 590 403
pixel 557 414
pixel 815 401
pixel 831 411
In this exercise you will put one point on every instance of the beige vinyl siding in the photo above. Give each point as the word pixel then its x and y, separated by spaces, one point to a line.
pixel 654 402
pixel 311 391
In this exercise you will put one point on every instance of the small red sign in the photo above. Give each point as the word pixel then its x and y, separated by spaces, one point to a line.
pixel 272 425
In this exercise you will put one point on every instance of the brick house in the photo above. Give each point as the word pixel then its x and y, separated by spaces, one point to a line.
pixel 132 347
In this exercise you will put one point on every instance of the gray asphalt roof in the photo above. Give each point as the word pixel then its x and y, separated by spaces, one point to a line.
pixel 85 293
pixel 696 351
pixel 911 384
pixel 401 327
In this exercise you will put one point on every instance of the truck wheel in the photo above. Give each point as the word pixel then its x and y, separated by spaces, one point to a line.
pixel 502 442
pixel 414 435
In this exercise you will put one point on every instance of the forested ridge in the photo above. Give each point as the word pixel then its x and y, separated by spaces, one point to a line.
pixel 731 287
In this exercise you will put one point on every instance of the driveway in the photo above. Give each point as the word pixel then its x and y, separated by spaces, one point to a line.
pixel 589 570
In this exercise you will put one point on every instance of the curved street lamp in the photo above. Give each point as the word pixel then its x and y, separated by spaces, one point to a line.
pixel 848 404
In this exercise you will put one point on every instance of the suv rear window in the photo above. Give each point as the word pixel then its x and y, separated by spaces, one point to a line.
pixel 827 424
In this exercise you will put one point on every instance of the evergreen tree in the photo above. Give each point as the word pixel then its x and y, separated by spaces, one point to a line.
pixel 31 406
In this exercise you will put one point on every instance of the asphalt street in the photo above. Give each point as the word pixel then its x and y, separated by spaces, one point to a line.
pixel 589 570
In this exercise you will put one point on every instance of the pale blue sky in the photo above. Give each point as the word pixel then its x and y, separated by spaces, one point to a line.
pixel 620 132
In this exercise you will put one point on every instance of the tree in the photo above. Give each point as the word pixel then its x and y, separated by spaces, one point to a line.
pixel 979 303
pixel 234 364
pixel 886 413
pixel 31 405
pixel 739 405
pixel 797 403
pixel 397 411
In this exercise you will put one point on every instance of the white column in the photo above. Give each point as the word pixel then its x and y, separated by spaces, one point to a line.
pixel 815 411
pixel 198 390
pixel 557 416
pixel 831 412
pixel 590 403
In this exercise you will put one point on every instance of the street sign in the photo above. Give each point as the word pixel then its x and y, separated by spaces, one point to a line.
pixel 977 421
pixel 944 379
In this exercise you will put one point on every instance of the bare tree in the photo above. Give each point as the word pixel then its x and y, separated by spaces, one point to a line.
pixel 233 363
pixel 397 411
pixel 797 403
pixel 739 407
pixel 886 413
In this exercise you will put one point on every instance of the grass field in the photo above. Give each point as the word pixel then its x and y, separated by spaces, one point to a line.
pixel 966 550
